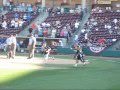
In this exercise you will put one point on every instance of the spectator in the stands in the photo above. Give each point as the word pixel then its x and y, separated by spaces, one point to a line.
pixel 30 30
pixel 53 32
pixel 100 11
pixel 118 10
pixel 4 24
pixel 36 32
pixel 0 25
pixel 61 43
pixel 12 23
pixel 16 24
pixel 101 41
pixel 58 24
pixel 109 26
pixel 62 33
pixel 47 25
pixel 40 29
pixel 45 32
pixel 65 32
pixel 71 11
pixel 76 38
pixel 33 26
pixel 29 8
pixel 25 17
pixel 77 24
pixel 83 30
pixel 23 7
pixel 16 16
pixel 62 10
pixel 58 10
pixel 68 27
pixel 43 24
pixel 86 37
pixel 95 23
pixel 20 22
pixel 29 17
pixel 40 32
pixel 115 21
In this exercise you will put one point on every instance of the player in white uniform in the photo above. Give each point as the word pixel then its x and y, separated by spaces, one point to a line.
pixel 8 46
pixel 13 46
pixel 31 46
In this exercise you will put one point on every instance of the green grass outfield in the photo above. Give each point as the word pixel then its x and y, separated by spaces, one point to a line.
pixel 100 74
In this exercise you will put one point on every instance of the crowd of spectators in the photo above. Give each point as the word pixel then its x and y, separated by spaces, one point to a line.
pixel 59 24
pixel 102 28
pixel 18 18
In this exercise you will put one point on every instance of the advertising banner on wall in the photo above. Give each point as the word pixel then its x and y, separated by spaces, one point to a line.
pixel 104 1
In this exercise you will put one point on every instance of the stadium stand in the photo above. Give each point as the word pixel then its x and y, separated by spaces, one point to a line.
pixel 16 20
pixel 102 27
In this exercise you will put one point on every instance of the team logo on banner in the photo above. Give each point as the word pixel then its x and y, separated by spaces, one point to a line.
pixel 96 49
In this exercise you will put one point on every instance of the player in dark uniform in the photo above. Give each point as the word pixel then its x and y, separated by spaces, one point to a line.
pixel 79 56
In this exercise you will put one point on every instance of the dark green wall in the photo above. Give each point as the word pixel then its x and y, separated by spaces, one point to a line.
pixel 105 53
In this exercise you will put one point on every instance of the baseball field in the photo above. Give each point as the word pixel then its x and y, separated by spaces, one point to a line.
pixel 99 73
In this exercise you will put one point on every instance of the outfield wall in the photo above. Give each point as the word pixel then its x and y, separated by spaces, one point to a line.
pixel 87 51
